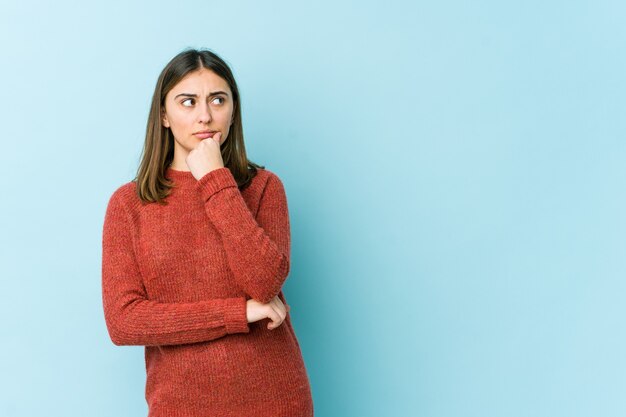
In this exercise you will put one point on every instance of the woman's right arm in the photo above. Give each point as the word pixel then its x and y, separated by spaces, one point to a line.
pixel 132 319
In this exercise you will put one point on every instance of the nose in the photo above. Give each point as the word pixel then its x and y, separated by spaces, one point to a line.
pixel 204 113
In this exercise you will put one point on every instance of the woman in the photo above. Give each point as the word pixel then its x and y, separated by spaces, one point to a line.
pixel 195 252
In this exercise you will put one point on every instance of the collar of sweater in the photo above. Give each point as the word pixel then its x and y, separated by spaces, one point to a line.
pixel 181 178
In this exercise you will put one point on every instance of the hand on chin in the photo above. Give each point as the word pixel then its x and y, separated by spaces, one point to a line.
pixel 205 157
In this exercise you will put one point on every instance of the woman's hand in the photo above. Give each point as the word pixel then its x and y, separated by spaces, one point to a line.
pixel 205 157
pixel 275 310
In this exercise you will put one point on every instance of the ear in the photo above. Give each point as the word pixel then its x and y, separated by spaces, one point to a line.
pixel 164 120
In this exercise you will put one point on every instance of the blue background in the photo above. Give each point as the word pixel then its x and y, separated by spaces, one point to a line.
pixel 455 177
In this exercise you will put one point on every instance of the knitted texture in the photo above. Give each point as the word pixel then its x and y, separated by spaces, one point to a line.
pixel 176 278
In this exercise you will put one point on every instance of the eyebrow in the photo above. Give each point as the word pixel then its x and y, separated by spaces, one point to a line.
pixel 195 95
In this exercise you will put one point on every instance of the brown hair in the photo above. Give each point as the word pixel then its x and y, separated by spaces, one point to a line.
pixel 158 150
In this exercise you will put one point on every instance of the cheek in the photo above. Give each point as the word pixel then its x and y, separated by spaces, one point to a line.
pixel 180 121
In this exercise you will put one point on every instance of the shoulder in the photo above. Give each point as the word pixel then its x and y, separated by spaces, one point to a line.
pixel 124 192
pixel 124 197
pixel 121 214
pixel 270 186
pixel 267 179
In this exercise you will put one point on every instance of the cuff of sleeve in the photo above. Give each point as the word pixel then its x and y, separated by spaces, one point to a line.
pixel 235 316
pixel 214 181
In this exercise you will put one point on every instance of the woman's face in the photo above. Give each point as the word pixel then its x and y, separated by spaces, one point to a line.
pixel 201 101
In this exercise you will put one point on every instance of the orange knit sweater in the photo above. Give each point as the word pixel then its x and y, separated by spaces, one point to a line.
pixel 176 278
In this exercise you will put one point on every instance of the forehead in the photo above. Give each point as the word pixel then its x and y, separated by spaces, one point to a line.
pixel 202 81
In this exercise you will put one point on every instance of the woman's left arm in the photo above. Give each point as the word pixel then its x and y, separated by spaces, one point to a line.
pixel 258 249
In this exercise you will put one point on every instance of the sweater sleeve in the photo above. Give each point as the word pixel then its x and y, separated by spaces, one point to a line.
pixel 133 319
pixel 258 249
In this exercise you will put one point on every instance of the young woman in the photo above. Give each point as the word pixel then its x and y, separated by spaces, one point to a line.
pixel 195 251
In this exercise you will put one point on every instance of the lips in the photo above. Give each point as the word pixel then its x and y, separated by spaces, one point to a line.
pixel 205 134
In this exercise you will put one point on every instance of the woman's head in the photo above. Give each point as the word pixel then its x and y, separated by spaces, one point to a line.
pixel 202 101
pixel 196 91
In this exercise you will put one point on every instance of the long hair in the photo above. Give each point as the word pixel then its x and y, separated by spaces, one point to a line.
pixel 158 150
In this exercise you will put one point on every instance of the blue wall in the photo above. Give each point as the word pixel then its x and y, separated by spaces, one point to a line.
pixel 455 177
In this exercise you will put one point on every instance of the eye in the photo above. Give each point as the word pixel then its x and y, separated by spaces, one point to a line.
pixel 219 98
pixel 183 102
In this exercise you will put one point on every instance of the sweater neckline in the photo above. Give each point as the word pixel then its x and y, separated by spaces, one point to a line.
pixel 180 177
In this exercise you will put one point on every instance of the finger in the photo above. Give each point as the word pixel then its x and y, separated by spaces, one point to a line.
pixel 280 307
pixel 286 308
pixel 276 321
pixel 279 302
pixel 274 316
